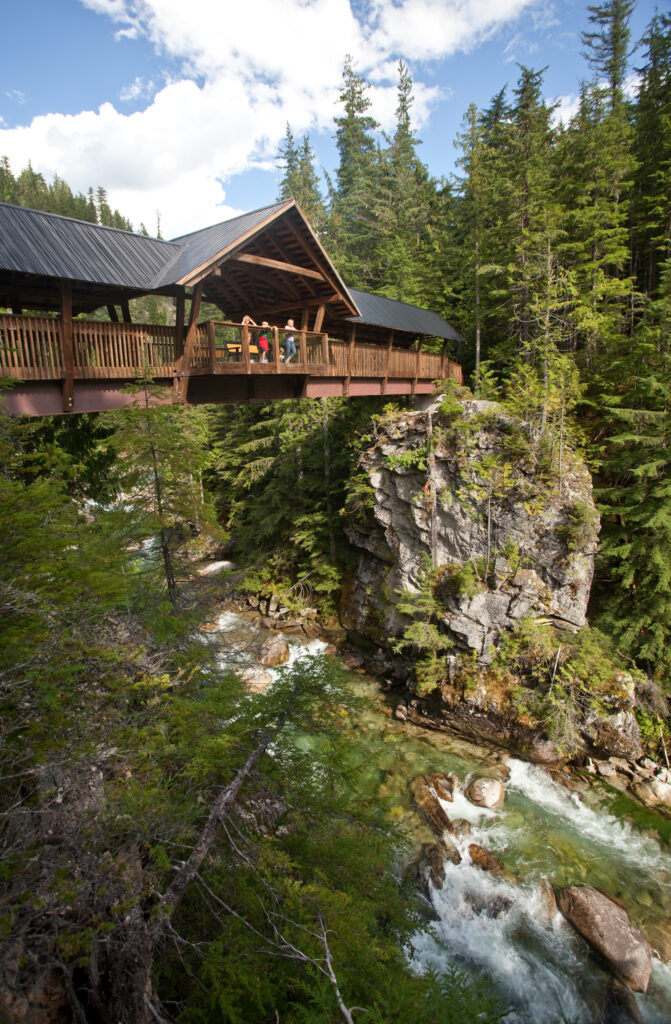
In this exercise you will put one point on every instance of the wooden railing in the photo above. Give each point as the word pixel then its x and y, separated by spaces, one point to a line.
pixel 31 348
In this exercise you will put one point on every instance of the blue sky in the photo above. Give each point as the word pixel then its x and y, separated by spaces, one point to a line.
pixel 179 108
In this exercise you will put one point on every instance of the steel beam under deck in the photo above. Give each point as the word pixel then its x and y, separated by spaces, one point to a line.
pixel 45 398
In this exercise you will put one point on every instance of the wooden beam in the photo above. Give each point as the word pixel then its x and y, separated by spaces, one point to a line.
pixel 303 340
pixel 317 300
pixel 277 252
pixel 334 281
pixel 286 283
pixel 319 318
pixel 68 348
pixel 287 268
pixel 112 313
pixel 125 310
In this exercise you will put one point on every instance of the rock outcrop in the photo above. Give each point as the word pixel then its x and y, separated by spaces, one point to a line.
pixel 475 509
pixel 456 498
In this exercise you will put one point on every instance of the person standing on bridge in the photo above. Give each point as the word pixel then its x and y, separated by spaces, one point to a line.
pixel 289 342
pixel 263 343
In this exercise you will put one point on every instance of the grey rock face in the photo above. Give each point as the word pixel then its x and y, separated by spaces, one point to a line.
pixel 487 503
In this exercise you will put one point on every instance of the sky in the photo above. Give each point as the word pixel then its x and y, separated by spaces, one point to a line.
pixel 177 108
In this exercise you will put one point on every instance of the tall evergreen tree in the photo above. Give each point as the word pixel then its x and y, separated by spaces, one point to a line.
pixel 651 199
pixel 352 220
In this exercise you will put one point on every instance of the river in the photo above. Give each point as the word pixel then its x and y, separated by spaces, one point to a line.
pixel 585 834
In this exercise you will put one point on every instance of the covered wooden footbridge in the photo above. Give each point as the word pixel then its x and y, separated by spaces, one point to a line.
pixel 268 265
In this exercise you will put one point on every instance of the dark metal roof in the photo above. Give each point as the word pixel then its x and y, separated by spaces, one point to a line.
pixel 35 242
pixel 400 316
pixel 48 245
pixel 199 247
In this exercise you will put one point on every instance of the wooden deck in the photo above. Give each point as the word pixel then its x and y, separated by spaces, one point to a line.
pixel 86 372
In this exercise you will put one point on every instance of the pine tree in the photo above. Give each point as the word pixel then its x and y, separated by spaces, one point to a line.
pixel 299 179
pixel 651 199
pixel 635 494
pixel 607 48
pixel 352 221
pixel 404 207
pixel 162 457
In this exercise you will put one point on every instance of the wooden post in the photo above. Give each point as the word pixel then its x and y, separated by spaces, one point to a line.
pixel 246 358
pixel 125 312
pixel 302 340
pixel 386 374
pixel 213 350
pixel 444 361
pixel 417 365
pixel 350 358
pixel 112 313
pixel 180 307
pixel 276 349
pixel 325 350
pixel 190 340
pixel 68 348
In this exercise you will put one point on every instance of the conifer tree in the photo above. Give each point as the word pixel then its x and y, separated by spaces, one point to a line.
pixel 162 456
pixel 635 494
pixel 352 221
pixel 404 209
pixel 651 198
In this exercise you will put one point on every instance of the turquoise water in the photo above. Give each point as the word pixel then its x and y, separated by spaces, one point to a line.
pixel 544 830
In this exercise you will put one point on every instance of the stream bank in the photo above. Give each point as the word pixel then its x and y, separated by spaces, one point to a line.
pixel 552 830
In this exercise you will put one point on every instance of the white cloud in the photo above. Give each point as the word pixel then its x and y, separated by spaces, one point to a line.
pixel 136 90
pixel 567 108
pixel 246 70
pixel 16 96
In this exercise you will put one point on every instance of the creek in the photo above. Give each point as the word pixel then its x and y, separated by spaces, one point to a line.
pixel 569 832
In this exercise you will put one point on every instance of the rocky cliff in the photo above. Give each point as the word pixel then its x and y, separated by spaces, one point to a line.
pixel 470 497
pixel 476 540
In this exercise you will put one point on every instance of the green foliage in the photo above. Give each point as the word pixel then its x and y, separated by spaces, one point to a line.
pixel 413 458
pixel 562 677
pixel 423 634
pixel 581 528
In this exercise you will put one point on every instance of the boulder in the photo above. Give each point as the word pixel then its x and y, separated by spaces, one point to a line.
pixel 547 902
pixel 430 806
pixel 433 858
pixel 653 792
pixel 212 567
pixel 614 735
pixel 443 785
pixel 275 651
pixel 607 928
pixel 485 860
pixel 485 792
pixel 256 680
pixel 273 604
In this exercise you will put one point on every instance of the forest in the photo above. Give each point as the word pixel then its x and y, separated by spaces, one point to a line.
pixel 142 875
